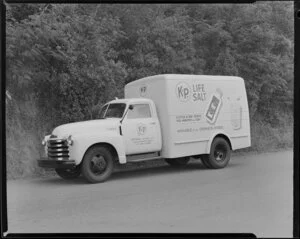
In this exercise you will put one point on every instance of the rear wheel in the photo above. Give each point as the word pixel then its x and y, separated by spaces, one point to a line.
pixel 97 164
pixel 68 173
pixel 178 162
pixel 219 153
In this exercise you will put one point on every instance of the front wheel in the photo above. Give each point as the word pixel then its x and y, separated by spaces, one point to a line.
pixel 97 164
pixel 178 162
pixel 219 154
pixel 68 173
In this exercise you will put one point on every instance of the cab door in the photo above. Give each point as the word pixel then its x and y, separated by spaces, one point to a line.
pixel 141 131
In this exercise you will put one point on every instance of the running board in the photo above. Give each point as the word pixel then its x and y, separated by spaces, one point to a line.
pixel 142 157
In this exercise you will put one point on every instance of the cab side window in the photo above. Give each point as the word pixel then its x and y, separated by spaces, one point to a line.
pixel 139 111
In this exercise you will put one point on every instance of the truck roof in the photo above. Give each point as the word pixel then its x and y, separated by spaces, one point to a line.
pixel 131 100
pixel 186 77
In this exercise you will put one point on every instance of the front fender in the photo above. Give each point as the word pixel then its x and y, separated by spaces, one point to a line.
pixel 83 141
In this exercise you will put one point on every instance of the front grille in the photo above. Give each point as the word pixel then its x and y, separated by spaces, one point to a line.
pixel 58 149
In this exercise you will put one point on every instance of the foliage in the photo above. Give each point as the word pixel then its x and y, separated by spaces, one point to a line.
pixel 65 60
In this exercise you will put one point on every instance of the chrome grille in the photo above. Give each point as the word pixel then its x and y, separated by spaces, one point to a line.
pixel 58 149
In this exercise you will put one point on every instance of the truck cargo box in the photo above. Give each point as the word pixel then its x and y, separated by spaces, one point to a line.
pixel 193 109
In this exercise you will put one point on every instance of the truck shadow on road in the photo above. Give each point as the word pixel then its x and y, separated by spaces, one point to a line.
pixel 161 170
pixel 142 171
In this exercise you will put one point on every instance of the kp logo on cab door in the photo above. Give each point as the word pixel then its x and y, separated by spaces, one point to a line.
pixel 141 129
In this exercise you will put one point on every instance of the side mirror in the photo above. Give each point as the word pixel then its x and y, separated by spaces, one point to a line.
pixel 130 107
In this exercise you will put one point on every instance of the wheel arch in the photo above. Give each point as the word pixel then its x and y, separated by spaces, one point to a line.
pixel 226 138
pixel 220 135
pixel 109 146
pixel 83 142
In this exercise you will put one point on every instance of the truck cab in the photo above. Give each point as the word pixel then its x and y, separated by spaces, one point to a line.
pixel 139 124
pixel 124 129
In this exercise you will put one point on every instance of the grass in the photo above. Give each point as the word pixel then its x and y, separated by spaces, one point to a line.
pixel 264 137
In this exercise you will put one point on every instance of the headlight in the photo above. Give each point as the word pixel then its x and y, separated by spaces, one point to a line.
pixel 69 140
pixel 44 142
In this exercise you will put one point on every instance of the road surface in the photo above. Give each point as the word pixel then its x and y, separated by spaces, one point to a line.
pixel 253 194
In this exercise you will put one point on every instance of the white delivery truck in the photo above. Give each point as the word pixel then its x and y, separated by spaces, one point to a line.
pixel 171 117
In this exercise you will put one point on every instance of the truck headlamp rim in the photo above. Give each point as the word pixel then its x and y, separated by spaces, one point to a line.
pixel 44 142
pixel 70 140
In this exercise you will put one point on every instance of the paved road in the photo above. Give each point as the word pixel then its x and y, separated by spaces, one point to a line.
pixel 252 194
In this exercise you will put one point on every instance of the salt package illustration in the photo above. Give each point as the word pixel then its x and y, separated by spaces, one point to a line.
pixel 214 106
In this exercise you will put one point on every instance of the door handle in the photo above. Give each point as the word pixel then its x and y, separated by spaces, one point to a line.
pixel 152 123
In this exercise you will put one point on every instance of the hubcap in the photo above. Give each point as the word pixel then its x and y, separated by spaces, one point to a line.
pixel 219 156
pixel 98 164
pixel 220 153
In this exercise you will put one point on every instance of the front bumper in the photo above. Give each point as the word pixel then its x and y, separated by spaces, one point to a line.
pixel 50 163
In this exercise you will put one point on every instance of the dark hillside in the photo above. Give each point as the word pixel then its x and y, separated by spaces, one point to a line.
pixel 64 61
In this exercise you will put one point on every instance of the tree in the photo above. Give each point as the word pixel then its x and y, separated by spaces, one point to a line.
pixel 65 60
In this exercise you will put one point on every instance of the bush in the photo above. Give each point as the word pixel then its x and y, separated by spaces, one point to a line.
pixel 264 137
pixel 64 60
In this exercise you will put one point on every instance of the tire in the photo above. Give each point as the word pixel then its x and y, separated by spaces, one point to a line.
pixel 178 162
pixel 97 164
pixel 219 154
pixel 68 174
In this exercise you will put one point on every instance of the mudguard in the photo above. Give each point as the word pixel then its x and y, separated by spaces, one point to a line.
pixel 212 136
pixel 82 142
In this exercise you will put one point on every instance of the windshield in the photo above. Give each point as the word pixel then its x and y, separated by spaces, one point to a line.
pixel 115 110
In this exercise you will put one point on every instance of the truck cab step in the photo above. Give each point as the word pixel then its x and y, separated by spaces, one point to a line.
pixel 143 157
